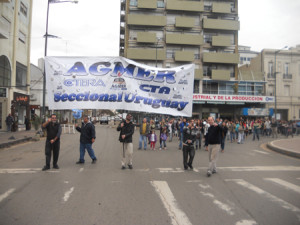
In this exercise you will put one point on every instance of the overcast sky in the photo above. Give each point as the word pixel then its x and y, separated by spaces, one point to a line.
pixel 91 27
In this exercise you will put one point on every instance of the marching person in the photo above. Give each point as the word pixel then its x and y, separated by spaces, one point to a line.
pixel 214 136
pixel 87 138
pixel 126 129
pixel 144 132
pixel 52 142
pixel 189 137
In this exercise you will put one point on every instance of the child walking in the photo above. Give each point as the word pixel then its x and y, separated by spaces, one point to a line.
pixel 152 139
pixel 163 138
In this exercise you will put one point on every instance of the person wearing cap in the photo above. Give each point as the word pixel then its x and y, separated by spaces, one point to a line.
pixel 126 129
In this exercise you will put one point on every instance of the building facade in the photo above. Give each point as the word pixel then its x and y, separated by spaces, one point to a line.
pixel 281 69
pixel 15 29
pixel 246 54
pixel 169 33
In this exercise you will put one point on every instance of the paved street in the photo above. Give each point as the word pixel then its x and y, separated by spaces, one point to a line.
pixel 253 186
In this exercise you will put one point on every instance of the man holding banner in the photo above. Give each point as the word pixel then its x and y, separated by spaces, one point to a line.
pixel 126 129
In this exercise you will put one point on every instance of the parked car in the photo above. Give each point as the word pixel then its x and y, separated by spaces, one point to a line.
pixel 104 119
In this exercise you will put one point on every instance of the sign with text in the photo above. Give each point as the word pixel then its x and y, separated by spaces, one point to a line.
pixel 233 98
pixel 118 83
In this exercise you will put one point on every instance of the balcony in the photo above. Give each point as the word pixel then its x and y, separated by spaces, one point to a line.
pixel 147 4
pixel 146 37
pixel 227 58
pixel 146 20
pixel 191 6
pixel 271 76
pixel 184 22
pixel 222 41
pixel 146 54
pixel 218 24
pixel 184 56
pixel 184 39
pixel 198 74
pixel 218 7
pixel 287 76
pixel 220 75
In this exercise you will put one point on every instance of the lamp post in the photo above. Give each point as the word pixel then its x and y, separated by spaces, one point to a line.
pixel 46 45
pixel 275 94
pixel 156 51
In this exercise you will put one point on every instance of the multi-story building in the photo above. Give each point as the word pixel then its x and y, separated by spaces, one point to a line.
pixel 169 33
pixel 281 69
pixel 15 29
pixel 246 54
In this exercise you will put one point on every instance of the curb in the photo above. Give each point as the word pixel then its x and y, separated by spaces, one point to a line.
pixel 283 150
pixel 11 143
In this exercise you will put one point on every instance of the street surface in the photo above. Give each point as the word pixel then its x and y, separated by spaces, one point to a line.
pixel 253 186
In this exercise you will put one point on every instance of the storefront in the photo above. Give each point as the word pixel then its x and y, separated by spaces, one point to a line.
pixel 19 109
pixel 227 106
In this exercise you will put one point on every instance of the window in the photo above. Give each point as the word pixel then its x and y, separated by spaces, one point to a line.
pixel 271 90
pixel 286 68
pixel 21 76
pixel 160 4
pixel 286 90
pixel 5 72
pixel 196 86
pixel 270 70
pixel 210 88
pixel 23 9
pixel 133 2
pixel 22 37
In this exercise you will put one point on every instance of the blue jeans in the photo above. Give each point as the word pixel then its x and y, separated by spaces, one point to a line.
pixel 181 139
pixel 223 142
pixel 143 138
pixel 89 149
pixel 163 144
pixel 232 136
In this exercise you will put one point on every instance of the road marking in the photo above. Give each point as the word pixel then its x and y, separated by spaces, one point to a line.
pixel 204 186
pixel 285 184
pixel 20 170
pixel 269 196
pixel 246 222
pixel 236 169
pixel 265 153
pixel 218 203
pixel 68 194
pixel 178 217
pixel 81 169
pixel 194 181
pixel 6 194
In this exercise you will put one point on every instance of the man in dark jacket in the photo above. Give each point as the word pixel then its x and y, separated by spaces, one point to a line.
pixel 126 129
pixel 87 138
pixel 189 137
pixel 214 136
pixel 52 142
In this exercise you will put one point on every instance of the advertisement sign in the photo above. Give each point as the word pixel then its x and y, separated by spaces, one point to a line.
pixel 257 112
pixel 118 83
pixel 233 98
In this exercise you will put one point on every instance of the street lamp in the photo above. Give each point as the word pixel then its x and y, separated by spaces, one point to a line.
pixel 46 45
pixel 276 80
pixel 156 51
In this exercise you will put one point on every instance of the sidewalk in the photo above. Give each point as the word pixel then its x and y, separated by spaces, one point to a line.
pixel 8 139
pixel 288 146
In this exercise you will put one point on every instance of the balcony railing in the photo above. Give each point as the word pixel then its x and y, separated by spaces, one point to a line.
pixel 271 75
pixel 287 76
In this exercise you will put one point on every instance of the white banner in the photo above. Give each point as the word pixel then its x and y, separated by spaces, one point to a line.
pixel 118 83
pixel 233 98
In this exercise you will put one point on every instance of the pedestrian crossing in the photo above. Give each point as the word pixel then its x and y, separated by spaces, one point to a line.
pixel 206 190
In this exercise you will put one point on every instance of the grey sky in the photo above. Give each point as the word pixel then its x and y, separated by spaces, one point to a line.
pixel 91 27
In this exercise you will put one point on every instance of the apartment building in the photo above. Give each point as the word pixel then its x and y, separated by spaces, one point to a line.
pixel 15 29
pixel 246 55
pixel 281 69
pixel 169 33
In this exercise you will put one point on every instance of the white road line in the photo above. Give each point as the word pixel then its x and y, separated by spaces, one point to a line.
pixel 81 169
pixel 218 203
pixel 204 186
pixel 20 170
pixel 298 178
pixel 178 217
pixel 246 222
pixel 265 153
pixel 6 194
pixel 285 184
pixel 68 194
pixel 269 196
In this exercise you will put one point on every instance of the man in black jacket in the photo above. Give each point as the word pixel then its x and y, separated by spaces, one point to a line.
pixel 189 137
pixel 214 136
pixel 87 138
pixel 52 142
pixel 126 129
